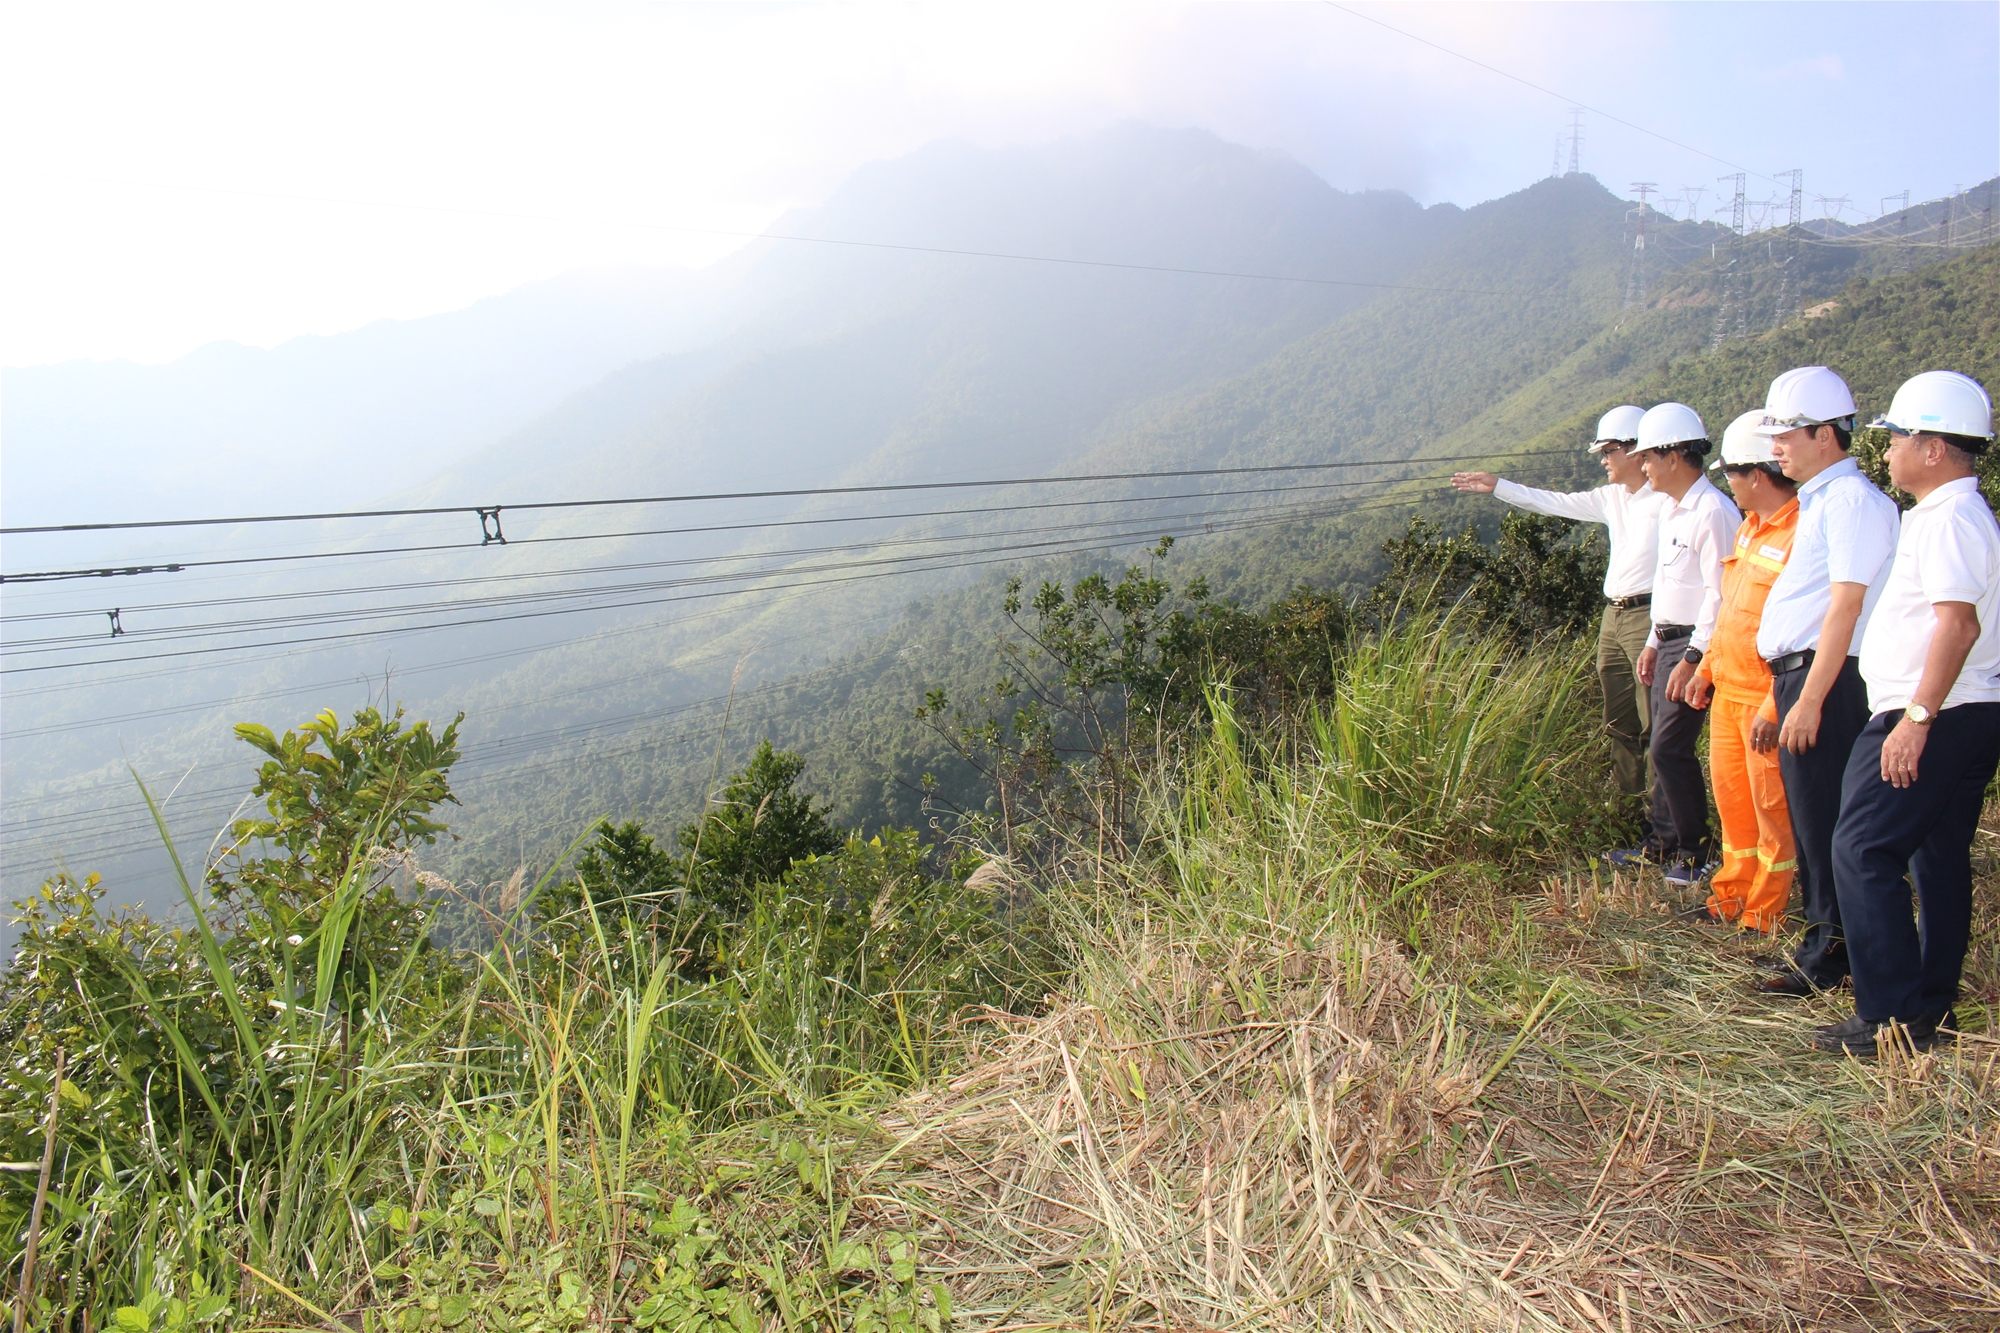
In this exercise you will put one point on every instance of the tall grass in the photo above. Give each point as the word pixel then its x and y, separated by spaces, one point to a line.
pixel 303 1158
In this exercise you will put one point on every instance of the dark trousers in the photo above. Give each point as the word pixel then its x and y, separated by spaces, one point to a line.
pixel 1902 968
pixel 1628 714
pixel 1680 793
pixel 1812 789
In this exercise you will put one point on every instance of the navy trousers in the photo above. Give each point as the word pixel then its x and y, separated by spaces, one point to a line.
pixel 1813 783
pixel 1902 968
pixel 1680 792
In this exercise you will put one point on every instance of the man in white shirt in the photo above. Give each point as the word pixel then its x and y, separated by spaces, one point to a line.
pixel 1697 533
pixel 1917 778
pixel 1813 622
pixel 1630 510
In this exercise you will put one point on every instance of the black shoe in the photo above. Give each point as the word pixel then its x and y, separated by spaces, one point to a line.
pixel 1773 962
pixel 1786 985
pixel 1861 1037
pixel 1853 1035
pixel 1631 858
pixel 1701 914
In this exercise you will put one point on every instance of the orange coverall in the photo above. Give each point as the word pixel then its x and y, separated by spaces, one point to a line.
pixel 1755 882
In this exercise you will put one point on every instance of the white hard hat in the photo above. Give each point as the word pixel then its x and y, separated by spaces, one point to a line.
pixel 1808 396
pixel 1940 402
pixel 1619 424
pixel 1670 424
pixel 1743 445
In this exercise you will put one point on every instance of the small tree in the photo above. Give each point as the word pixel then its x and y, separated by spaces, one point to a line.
pixel 1537 580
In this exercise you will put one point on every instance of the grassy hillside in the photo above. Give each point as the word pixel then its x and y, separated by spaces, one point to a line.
pixel 1348 1043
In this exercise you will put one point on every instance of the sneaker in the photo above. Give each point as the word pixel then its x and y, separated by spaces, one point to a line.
pixel 1686 874
pixel 1630 858
pixel 1860 1037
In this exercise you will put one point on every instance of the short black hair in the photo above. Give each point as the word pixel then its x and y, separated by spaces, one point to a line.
pixel 1843 435
pixel 1693 450
pixel 1769 469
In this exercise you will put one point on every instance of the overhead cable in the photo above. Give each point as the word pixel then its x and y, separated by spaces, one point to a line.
pixel 486 512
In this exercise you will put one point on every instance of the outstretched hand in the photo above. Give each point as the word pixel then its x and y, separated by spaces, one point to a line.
pixel 1475 483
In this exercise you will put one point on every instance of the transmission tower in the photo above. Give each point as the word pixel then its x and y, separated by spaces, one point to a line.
pixel 1693 194
pixel 1796 213
pixel 1556 161
pixel 1831 206
pixel 1575 138
pixel 1740 179
pixel 1902 264
pixel 1635 286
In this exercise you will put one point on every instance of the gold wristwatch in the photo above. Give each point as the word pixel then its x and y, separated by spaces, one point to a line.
pixel 1920 715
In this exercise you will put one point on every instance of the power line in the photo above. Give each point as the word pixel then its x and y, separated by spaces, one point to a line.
pixel 703 529
pixel 910 562
pixel 1550 92
pixel 921 561
pixel 489 512
pixel 307 618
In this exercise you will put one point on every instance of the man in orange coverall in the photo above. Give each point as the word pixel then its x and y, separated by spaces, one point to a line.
pixel 1755 883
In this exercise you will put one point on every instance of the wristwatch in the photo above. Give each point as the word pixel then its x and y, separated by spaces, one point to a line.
pixel 1920 715
pixel 1692 656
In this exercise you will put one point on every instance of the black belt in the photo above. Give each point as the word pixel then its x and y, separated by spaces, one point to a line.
pixel 1627 603
pixel 1791 662
pixel 1672 631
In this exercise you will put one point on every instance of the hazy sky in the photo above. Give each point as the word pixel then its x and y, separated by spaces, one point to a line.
pixel 177 174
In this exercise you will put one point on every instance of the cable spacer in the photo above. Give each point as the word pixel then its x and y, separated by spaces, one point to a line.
pixel 116 628
pixel 489 527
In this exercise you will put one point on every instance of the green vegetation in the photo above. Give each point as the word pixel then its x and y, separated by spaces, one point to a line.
pixel 1340 1038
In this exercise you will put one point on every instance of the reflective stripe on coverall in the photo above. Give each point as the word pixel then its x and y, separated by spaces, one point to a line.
pixel 1755 882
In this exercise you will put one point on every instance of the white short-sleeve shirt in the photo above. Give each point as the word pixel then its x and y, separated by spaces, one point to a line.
pixel 1948 551
pixel 1846 534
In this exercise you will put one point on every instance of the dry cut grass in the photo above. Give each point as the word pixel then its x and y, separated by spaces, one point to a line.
pixel 1276 1098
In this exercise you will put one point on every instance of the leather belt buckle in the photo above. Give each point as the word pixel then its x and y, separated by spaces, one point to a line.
pixel 1629 603
pixel 1673 631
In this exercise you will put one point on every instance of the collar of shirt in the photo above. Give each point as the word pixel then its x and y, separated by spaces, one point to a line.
pixel 1759 525
pixel 1846 467
pixel 1946 491
pixel 1694 494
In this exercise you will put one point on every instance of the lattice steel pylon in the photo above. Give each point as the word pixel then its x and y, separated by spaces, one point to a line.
pixel 1635 284
pixel 1794 213
pixel 1575 139
pixel 1740 180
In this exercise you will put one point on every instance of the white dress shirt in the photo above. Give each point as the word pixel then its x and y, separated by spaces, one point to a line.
pixel 1633 518
pixel 1697 533
pixel 1949 551
pixel 1846 534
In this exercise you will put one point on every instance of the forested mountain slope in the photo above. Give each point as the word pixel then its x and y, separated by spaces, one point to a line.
pixel 1485 329
pixel 852 718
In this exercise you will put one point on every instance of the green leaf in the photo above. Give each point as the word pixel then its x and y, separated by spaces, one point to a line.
pixel 454 1310
pixel 486 1207
pixel 851 1256
pixel 72 1094
pixel 132 1319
